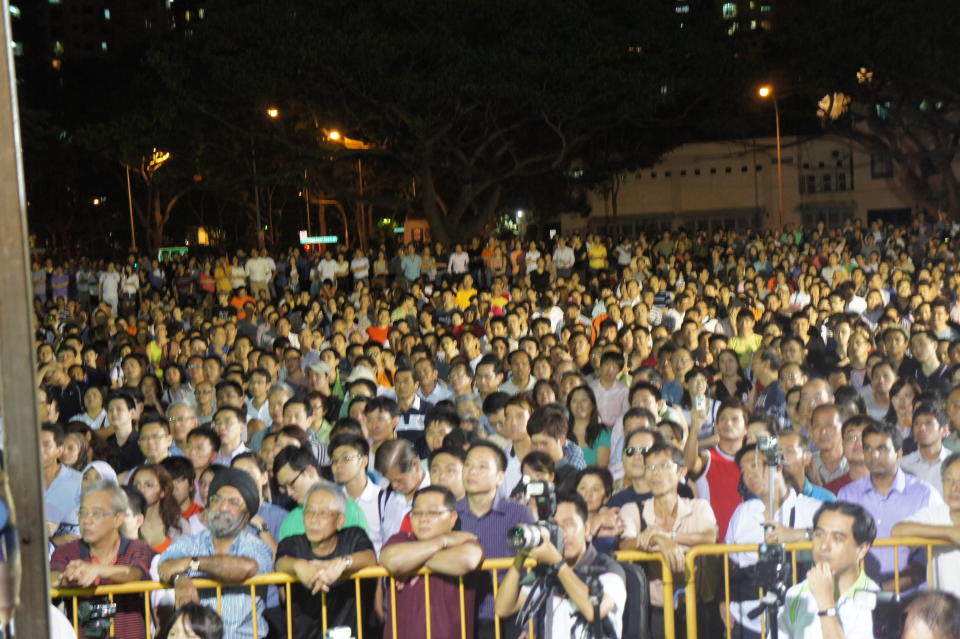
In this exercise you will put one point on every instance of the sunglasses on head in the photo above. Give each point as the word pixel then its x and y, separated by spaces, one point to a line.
pixel 630 451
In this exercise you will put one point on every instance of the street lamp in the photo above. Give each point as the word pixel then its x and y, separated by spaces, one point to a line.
pixel 273 113
pixel 766 91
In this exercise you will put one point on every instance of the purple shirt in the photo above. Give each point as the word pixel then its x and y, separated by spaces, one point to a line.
pixel 491 529
pixel 907 495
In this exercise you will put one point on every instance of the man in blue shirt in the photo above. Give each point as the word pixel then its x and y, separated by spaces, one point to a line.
pixel 486 513
pixel 226 551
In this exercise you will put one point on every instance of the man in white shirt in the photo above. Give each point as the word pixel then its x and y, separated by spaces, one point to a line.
pixel 613 396
pixel 930 427
pixel 790 522
pixel 823 606
pixel 397 461
pixel 563 258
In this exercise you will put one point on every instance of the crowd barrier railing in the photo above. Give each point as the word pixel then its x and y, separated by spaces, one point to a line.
pixel 493 566
pixel 725 550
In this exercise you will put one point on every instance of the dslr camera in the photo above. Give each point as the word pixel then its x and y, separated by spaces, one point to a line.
pixel 95 618
pixel 528 536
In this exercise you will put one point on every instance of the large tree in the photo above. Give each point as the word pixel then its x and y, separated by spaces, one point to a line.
pixel 466 99
pixel 888 70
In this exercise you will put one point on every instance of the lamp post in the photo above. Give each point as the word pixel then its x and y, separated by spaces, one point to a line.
pixel 363 221
pixel 766 91
pixel 273 113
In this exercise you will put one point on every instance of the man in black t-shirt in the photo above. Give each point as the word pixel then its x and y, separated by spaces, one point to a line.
pixel 322 559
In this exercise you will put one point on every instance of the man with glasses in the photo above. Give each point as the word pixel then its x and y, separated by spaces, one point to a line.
pixel 103 556
pixel 449 554
pixel 226 551
pixel 397 461
pixel 852 434
pixel 667 523
pixel 322 558
pixel 296 470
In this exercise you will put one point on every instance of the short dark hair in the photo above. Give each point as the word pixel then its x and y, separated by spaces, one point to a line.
pixel 135 500
pixel 124 395
pixel 356 442
pixel 207 433
pixel 449 501
pixel 239 414
pixel 453 451
pixel 299 459
pixel 602 473
pixel 676 455
pixel 550 420
pixel 498 453
pixel 180 468
pixel 539 461
pixel 864 527
pixel 883 428
pixel 578 503
pixel 56 430
pixel 152 417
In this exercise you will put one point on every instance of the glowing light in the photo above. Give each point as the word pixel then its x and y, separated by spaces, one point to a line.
pixel 273 112
pixel 765 91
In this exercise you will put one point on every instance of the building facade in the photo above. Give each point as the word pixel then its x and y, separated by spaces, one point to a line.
pixel 733 184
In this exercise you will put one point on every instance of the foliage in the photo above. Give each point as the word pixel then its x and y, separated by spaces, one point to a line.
pixel 467 99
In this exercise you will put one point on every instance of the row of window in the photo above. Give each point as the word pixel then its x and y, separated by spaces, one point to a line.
pixel 712 171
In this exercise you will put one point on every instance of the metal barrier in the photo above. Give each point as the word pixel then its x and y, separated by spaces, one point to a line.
pixel 725 550
pixel 375 572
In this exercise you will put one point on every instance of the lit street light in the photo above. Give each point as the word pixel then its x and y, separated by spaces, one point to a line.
pixel 766 91
pixel 273 112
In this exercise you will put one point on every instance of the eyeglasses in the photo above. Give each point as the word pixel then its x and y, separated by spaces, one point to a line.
pixel 322 513
pixel 288 486
pixel 344 459
pixel 96 514
pixel 853 438
pixel 425 514
pixel 630 451
pixel 652 468
pixel 234 502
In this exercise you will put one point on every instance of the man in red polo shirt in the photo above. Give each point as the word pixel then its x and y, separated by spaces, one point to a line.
pixel 102 556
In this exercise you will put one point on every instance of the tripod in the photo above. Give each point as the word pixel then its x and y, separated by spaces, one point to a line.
pixel 771 563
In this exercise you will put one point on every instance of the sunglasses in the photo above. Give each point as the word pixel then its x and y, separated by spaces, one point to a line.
pixel 630 451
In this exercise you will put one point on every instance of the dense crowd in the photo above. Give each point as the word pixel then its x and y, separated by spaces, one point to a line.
pixel 315 413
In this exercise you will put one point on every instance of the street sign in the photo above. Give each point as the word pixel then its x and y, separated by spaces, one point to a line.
pixel 317 239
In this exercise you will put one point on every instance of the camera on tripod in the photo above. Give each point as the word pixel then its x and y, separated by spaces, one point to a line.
pixel 769 447
pixel 528 536
pixel 95 618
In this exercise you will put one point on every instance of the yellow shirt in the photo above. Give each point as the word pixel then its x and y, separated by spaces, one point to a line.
pixel 598 256
pixel 463 297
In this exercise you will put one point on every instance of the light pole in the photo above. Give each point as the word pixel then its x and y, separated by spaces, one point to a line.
pixel 273 113
pixel 766 91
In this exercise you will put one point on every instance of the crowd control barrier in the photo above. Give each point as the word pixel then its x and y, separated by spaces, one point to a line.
pixel 725 550
pixel 493 566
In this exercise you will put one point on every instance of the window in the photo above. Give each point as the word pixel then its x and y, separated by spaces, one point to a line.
pixel 765 8
pixel 696 171
pixel 58 47
pixel 729 10
pixel 683 173
pixel 682 8
pixel 713 171
pixel 743 169
pixel 666 174
pixel 827 183
pixel 653 175
pixel 728 170
pixel 106 14
pixel 759 167
pixel 841 181
pixel 881 165
pixel 103 46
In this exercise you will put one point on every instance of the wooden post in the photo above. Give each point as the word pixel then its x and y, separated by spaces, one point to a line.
pixel 18 390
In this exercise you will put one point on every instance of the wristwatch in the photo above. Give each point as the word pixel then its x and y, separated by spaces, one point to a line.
pixel 194 565
pixel 829 612
pixel 347 561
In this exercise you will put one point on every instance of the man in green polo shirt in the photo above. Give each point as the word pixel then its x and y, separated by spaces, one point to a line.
pixel 296 471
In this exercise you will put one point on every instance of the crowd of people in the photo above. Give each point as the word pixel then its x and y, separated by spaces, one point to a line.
pixel 316 413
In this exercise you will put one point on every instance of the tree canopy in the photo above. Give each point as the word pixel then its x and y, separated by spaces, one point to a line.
pixel 467 99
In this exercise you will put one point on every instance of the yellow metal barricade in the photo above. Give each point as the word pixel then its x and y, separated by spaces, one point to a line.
pixel 376 572
pixel 725 550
